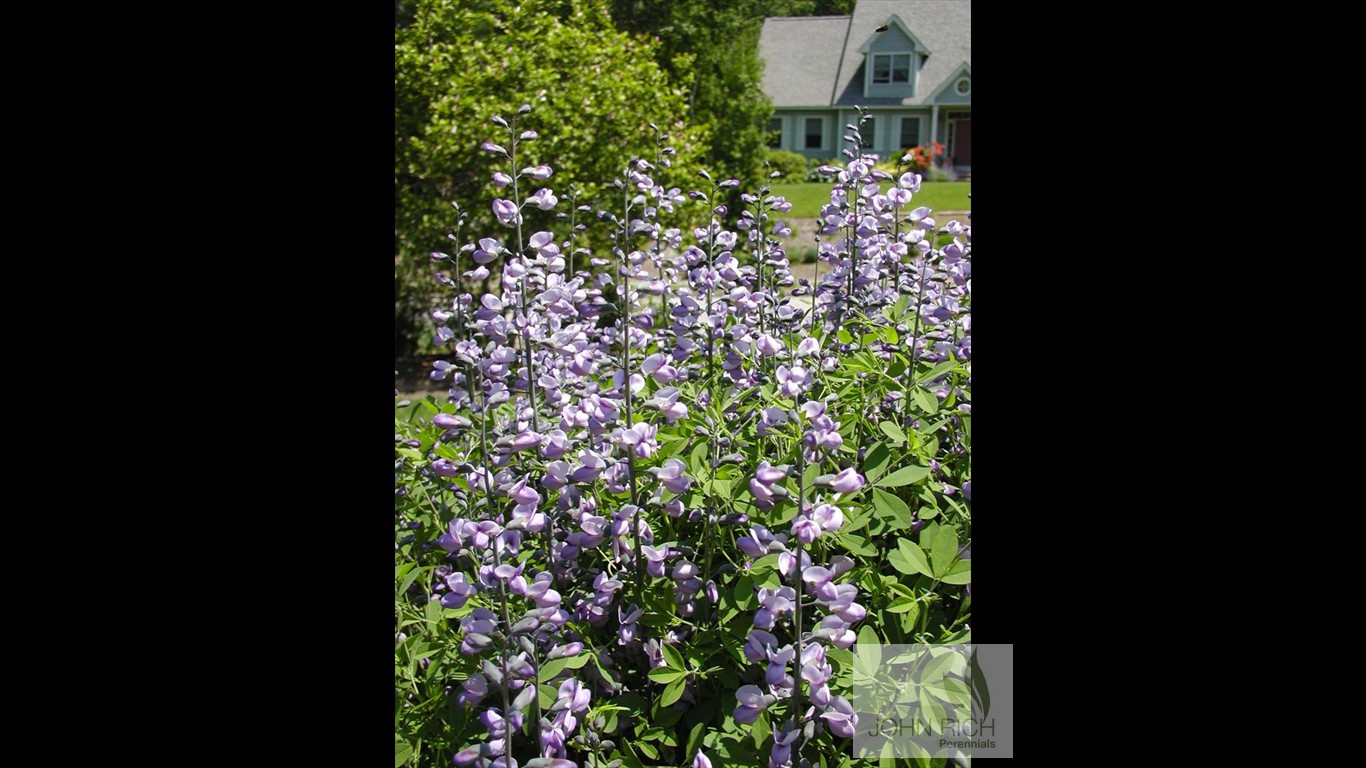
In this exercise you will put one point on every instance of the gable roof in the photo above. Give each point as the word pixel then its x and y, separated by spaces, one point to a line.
pixel 801 57
pixel 816 61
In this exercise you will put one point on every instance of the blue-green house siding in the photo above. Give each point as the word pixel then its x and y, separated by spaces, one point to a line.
pixel 950 94
pixel 893 41
pixel 886 131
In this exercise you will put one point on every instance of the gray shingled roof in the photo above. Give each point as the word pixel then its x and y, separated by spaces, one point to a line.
pixel 801 55
pixel 814 60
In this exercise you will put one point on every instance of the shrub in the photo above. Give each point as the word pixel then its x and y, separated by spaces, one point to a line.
pixel 920 158
pixel 596 90
pixel 792 165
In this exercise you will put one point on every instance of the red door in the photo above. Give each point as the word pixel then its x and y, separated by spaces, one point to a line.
pixel 962 142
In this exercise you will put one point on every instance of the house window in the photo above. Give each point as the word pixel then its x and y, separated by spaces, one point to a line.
pixel 963 87
pixel 815 132
pixel 910 132
pixel 866 131
pixel 775 132
pixel 890 68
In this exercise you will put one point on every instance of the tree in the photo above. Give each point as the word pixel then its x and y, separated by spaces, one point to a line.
pixel 457 63
pixel 717 41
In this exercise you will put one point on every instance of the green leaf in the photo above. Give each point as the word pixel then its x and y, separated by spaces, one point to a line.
pixel 899 308
pixel 901 563
pixel 694 741
pixel 960 573
pixel 904 476
pixel 938 370
pixel 890 429
pixel 915 556
pixel 697 461
pixel 897 366
pixel 719 488
pixel 666 675
pixel 553 667
pixel 672 692
pixel 902 605
pixel 760 730
pixel 672 657
pixel 409 579
pixel 892 509
pixel 927 512
pixel 928 535
pixel 855 544
pixel 548 694
pixel 980 695
pixel 927 400
pixel 844 336
pixel 855 519
pixel 402 752
pixel 877 462
pixel 944 551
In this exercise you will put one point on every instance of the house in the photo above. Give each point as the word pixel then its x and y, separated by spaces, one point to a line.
pixel 908 62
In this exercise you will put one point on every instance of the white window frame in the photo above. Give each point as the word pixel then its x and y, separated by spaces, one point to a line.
pixel 901 122
pixel 782 131
pixel 891 68
pixel 825 133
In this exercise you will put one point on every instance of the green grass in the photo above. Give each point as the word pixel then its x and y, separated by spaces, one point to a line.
pixel 807 199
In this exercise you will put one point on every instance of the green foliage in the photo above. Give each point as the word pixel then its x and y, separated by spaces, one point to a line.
pixel 714 46
pixel 457 63
pixel 792 166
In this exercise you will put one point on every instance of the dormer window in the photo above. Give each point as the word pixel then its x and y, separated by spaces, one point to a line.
pixel 891 68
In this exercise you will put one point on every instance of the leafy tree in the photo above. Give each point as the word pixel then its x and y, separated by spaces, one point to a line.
pixel 714 45
pixel 595 90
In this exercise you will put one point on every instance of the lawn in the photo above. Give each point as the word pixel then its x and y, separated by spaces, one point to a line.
pixel 807 199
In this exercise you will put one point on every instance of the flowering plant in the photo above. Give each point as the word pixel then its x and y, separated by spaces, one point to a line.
pixel 920 159
pixel 671 483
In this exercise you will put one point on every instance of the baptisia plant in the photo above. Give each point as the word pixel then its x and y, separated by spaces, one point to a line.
pixel 665 451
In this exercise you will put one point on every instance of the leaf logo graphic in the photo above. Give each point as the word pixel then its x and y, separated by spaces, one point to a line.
pixel 980 695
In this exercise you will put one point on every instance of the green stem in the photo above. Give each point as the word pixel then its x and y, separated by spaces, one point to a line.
pixel 625 314
pixel 915 331
pixel 797 611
